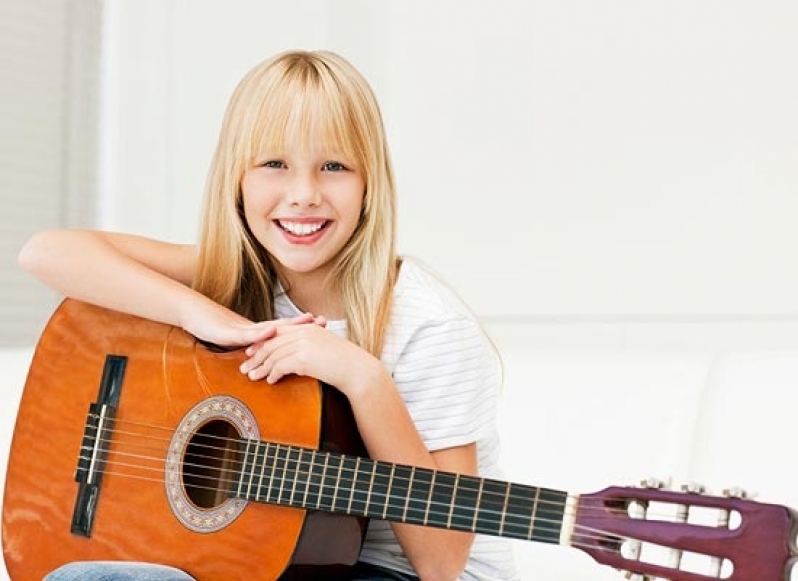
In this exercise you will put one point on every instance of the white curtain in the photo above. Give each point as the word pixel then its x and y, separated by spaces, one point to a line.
pixel 49 81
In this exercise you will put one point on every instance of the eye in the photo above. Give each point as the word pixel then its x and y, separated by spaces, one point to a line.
pixel 273 164
pixel 334 166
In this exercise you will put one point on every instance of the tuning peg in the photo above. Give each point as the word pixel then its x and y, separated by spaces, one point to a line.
pixel 694 488
pixel 653 483
pixel 735 492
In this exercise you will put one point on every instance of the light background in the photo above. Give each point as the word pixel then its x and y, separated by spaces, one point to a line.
pixel 612 186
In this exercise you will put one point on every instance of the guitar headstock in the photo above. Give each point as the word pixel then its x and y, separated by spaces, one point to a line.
pixel 686 535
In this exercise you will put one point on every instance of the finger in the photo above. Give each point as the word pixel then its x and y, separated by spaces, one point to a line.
pixel 274 363
pixel 257 356
pixel 302 319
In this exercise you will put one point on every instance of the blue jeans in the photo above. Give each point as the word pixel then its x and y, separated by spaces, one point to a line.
pixel 116 571
pixel 124 571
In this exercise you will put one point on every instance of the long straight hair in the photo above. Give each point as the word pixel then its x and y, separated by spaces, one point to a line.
pixel 303 97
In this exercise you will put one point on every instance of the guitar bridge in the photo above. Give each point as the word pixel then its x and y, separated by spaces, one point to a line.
pixel 94 448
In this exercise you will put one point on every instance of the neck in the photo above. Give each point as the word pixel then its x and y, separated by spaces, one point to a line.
pixel 311 294
pixel 312 479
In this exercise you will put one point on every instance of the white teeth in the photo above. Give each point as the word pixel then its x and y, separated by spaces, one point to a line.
pixel 301 228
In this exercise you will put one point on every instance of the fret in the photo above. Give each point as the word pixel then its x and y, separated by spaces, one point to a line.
pixel 292 469
pixel 341 464
pixel 533 513
pixel 410 479
pixel 370 487
pixel 433 474
pixel 465 503
pixel 401 478
pixel 273 490
pixel 257 463
pixel 379 489
pixel 388 494
pixel 492 506
pixel 453 504
pixel 360 487
pixel 329 482
pixel 549 516
pixel 245 454
pixel 477 504
pixel 316 478
pixel 418 497
pixel 504 508
pixel 519 510
pixel 344 487
pixel 353 490
pixel 441 506
pixel 259 488
pixel 305 474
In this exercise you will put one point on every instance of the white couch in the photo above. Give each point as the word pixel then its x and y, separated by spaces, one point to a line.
pixel 581 420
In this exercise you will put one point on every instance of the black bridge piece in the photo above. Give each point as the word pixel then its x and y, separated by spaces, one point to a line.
pixel 94 449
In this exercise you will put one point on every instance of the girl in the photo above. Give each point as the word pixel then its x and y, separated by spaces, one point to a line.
pixel 296 261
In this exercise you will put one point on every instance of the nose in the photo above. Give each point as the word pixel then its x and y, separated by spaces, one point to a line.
pixel 304 190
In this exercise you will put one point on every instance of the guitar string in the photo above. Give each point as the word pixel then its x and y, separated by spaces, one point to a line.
pixel 608 512
pixel 664 517
pixel 583 537
pixel 543 527
pixel 235 468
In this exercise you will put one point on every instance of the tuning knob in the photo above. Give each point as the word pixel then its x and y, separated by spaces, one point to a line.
pixel 694 488
pixel 653 483
pixel 735 492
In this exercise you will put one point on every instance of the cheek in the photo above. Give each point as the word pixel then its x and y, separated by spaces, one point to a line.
pixel 254 198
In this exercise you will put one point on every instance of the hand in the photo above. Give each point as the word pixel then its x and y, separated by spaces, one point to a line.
pixel 311 350
pixel 219 325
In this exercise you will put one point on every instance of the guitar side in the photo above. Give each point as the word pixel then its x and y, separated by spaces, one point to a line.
pixel 166 373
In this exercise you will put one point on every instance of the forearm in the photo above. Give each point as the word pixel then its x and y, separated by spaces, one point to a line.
pixel 435 553
pixel 85 265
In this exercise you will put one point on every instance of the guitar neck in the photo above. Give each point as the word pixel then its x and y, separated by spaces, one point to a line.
pixel 318 480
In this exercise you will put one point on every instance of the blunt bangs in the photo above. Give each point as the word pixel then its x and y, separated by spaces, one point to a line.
pixel 308 112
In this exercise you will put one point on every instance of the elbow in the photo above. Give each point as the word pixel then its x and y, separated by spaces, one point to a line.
pixel 44 252
pixel 449 568
pixel 441 572
pixel 31 255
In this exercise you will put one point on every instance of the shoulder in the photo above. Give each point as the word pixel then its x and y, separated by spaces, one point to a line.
pixel 421 294
pixel 429 320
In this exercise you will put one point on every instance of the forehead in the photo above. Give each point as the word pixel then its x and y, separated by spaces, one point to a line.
pixel 307 123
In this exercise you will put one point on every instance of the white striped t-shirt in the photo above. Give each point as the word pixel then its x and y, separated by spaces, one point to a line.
pixel 449 377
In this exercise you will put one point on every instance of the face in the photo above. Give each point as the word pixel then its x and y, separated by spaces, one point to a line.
pixel 303 208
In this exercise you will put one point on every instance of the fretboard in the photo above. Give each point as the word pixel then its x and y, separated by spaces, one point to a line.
pixel 317 480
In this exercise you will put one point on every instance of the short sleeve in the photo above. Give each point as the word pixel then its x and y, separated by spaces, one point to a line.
pixel 449 377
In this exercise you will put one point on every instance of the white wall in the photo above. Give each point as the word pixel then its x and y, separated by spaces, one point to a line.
pixel 612 186
pixel 642 151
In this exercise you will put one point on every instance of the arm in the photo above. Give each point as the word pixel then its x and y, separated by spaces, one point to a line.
pixel 436 554
pixel 135 275
pixel 383 418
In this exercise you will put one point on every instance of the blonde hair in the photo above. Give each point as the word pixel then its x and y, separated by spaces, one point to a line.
pixel 304 95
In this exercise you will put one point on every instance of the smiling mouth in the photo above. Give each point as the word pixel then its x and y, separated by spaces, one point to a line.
pixel 301 228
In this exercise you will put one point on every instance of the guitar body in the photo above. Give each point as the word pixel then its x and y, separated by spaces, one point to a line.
pixel 136 502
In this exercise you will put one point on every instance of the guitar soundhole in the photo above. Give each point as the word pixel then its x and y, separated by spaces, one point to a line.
pixel 209 464
pixel 201 463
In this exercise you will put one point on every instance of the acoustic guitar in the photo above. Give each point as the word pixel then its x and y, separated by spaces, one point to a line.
pixel 135 441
